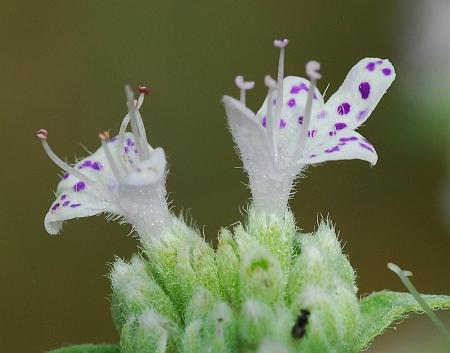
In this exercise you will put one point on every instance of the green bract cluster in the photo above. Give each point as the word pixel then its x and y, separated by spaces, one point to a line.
pixel 267 288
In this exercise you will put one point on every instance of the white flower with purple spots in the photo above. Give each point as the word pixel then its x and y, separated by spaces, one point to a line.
pixel 295 127
pixel 125 177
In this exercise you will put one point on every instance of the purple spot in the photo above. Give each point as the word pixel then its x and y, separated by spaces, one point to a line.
pixel 312 156
pixel 264 121
pixel 55 207
pixel 114 138
pixel 130 142
pixel 126 149
pixel 332 133
pixel 362 114
pixel 65 175
pixel 379 62
pixel 387 71
pixel 370 66
pixel 291 103
pixel 347 139
pixel 333 149
pixel 297 88
pixel 366 146
pixel 340 126
pixel 80 186
pixel 364 89
pixel 311 133
pixel 66 203
pixel 274 102
pixel 63 196
pixel 343 109
pixel 85 164
pixel 96 166
pixel 282 123
pixel 341 144
pixel 300 120
pixel 75 205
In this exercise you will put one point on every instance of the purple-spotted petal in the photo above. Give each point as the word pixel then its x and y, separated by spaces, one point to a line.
pixel 343 146
pixel 361 91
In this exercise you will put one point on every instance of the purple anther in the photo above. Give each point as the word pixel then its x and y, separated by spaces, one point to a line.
pixel 364 89
pixel 343 109
pixel 280 43
pixel 80 186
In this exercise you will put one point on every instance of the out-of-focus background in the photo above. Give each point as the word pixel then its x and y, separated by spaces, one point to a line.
pixel 63 66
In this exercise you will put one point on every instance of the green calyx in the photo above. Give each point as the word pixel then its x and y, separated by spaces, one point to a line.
pixel 266 288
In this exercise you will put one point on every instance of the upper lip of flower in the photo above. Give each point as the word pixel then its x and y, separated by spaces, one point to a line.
pixel 295 127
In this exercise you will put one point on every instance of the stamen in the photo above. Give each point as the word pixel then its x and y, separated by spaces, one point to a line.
pixel 279 44
pixel 121 141
pixel 403 275
pixel 244 86
pixel 312 71
pixel 272 127
pixel 104 138
pixel 134 123
pixel 42 135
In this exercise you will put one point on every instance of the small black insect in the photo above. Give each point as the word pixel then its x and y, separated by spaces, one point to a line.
pixel 299 328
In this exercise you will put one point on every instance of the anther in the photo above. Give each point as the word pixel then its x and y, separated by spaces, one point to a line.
pixel 104 135
pixel 143 89
pixel 280 43
pixel 270 82
pixel 42 134
pixel 244 86
pixel 135 126
pixel 312 70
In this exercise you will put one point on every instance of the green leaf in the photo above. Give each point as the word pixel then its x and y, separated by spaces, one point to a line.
pixel 89 348
pixel 380 309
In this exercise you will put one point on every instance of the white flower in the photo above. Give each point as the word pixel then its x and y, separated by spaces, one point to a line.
pixel 295 127
pixel 125 177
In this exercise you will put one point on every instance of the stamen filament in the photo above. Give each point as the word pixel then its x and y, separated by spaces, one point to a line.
pixel 244 86
pixel 279 103
pixel 134 124
pixel 272 128
pixel 42 134
pixel 121 141
pixel 312 71
pixel 104 137
pixel 403 275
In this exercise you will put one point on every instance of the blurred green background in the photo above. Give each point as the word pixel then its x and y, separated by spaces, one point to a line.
pixel 63 67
